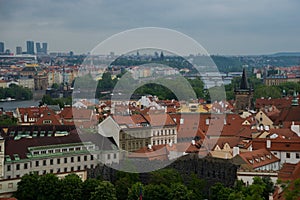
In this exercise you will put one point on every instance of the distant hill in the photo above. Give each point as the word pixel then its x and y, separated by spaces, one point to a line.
pixel 279 54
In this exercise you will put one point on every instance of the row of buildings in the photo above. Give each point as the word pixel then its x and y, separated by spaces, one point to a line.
pixel 48 139
pixel 36 77
pixel 41 48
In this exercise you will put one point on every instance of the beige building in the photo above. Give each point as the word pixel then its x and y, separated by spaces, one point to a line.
pixel 132 132
pixel 26 82
pixel 263 121
pixel 50 149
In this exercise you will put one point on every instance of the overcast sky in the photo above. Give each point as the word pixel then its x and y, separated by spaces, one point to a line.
pixel 227 27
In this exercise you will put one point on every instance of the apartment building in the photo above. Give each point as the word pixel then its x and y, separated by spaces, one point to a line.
pixel 51 149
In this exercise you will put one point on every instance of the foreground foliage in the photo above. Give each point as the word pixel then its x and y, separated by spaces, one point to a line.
pixel 163 184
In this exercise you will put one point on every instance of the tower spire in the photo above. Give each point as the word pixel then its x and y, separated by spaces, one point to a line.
pixel 244 82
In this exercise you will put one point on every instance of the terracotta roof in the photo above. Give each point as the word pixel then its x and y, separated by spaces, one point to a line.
pixel 66 113
pixel 289 115
pixel 258 158
pixel 82 114
pixel 48 115
pixel 283 133
pixel 289 172
pixel 280 103
pixel 160 120
pixel 211 125
pixel 278 144
pixel 131 121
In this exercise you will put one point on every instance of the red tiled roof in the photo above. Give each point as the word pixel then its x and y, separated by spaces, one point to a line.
pixel 289 115
pixel 280 103
pixel 48 115
pixel 131 121
pixel 283 133
pixel 278 144
pixel 82 114
pixel 66 113
pixel 160 120
pixel 289 172
pixel 258 158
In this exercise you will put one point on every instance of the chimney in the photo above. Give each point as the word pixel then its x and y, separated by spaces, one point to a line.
pixel 268 144
pixel 235 151
pixel 207 121
pixel 193 142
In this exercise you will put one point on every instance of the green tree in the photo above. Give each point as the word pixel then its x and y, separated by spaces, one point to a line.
pixel 88 187
pixel 104 191
pixel 152 191
pixel 292 191
pixel 269 187
pixel 135 191
pixel 219 192
pixel 49 187
pixel 7 120
pixel 55 86
pixel 196 185
pixel 27 187
pixel 266 92
pixel 71 187
pixel 124 182
pixel 178 191
pixel 289 87
pixel 165 176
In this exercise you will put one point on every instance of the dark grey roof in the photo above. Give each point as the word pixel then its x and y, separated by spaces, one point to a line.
pixel 244 82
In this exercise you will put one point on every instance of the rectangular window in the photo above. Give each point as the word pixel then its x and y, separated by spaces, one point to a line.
pixel 92 157
pixel 51 171
pixel 58 160
pixel 78 149
pixel 297 155
pixel 25 165
pixel 78 159
pixel 10 185
pixel 18 167
pixel 8 167
pixel 78 168
pixel 92 166
pixel 108 156
pixel 65 169
pixel 72 159
pixel 288 155
pixel 115 155
pixel 65 160
pixel 85 158
pixel 37 163
pixel 72 169
pixel 44 162
pixel 51 162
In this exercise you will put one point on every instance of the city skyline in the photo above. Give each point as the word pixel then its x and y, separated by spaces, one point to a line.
pixel 231 28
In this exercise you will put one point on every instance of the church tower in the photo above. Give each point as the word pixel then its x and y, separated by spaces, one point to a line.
pixel 243 95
